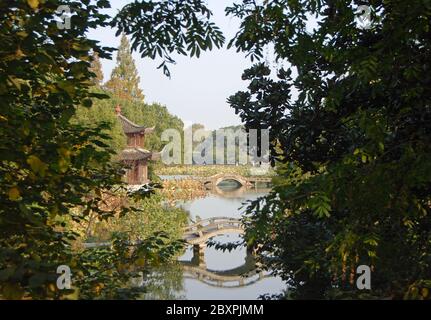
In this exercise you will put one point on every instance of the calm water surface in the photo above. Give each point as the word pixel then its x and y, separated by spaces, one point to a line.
pixel 175 282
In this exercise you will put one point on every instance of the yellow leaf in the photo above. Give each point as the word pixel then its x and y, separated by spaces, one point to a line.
pixel 63 165
pixel 67 86
pixel 64 161
pixel 140 262
pixel 19 54
pixel 37 165
pixel 73 296
pixel 36 257
pixel 17 82
pixel 33 4
pixel 81 46
pixel 64 152
pixel 14 194
pixel 22 34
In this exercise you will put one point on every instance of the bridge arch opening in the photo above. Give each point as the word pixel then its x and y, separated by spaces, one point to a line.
pixel 229 184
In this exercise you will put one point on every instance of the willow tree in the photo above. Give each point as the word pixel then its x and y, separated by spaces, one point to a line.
pixel 124 81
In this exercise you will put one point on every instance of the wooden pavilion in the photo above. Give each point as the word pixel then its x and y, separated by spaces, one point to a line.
pixel 135 156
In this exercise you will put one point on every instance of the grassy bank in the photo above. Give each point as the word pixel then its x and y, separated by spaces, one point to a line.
pixel 209 170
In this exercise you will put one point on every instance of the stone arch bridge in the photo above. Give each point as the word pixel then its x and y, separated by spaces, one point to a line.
pixel 215 180
pixel 197 235
pixel 199 232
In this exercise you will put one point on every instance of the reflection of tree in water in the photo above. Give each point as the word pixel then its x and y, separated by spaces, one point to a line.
pixel 163 283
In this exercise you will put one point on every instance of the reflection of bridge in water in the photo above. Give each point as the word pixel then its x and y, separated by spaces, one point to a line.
pixel 198 234
pixel 235 193
pixel 244 275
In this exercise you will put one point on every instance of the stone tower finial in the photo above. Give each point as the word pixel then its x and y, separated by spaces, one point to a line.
pixel 118 109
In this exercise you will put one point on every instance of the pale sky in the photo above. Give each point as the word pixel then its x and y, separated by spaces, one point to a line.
pixel 198 88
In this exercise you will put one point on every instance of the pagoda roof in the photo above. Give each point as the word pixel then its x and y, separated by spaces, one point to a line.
pixel 156 155
pixel 136 154
pixel 130 127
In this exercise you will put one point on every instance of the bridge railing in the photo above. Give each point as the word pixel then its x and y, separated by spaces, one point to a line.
pixel 211 221
pixel 203 227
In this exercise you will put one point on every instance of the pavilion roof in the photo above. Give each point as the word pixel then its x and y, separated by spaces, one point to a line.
pixel 136 154
pixel 130 127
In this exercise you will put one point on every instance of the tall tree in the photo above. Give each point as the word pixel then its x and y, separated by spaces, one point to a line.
pixel 124 82
pixel 96 68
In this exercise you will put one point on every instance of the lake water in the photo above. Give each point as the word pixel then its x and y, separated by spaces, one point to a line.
pixel 217 276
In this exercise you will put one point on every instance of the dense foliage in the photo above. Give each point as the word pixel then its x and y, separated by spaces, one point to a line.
pixel 181 27
pixel 353 145
pixel 50 165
